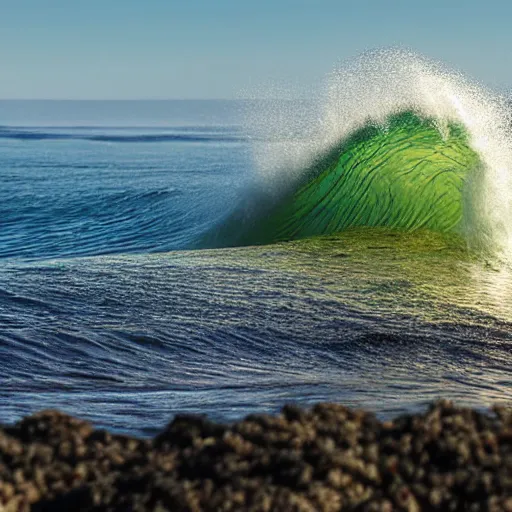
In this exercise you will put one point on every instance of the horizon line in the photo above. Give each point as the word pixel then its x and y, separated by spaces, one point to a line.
pixel 152 99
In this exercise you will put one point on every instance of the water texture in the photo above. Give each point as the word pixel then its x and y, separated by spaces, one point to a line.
pixel 230 257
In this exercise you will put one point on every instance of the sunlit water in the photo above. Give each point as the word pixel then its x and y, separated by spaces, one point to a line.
pixel 105 314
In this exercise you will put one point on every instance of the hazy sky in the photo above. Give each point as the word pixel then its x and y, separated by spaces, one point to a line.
pixel 118 49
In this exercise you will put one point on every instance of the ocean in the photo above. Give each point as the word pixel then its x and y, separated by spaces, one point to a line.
pixel 164 257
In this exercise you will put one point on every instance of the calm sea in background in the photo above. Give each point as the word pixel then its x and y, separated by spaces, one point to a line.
pixel 109 309
pixel 88 178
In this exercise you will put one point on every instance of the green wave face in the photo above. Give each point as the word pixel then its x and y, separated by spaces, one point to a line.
pixel 404 175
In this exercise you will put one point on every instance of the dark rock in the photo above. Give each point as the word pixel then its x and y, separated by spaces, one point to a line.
pixel 328 458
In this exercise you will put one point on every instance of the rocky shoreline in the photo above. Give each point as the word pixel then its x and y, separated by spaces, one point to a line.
pixel 327 458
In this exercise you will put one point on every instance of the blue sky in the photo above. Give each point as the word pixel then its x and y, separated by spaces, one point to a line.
pixel 120 49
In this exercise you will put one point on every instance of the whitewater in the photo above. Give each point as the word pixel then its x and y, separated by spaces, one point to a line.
pixel 227 257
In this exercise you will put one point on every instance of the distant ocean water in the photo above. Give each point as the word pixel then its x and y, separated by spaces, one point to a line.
pixel 88 178
pixel 115 305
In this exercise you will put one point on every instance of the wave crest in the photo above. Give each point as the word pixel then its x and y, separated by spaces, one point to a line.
pixel 446 141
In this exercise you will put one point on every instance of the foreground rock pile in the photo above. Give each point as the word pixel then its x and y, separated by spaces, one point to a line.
pixel 326 459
